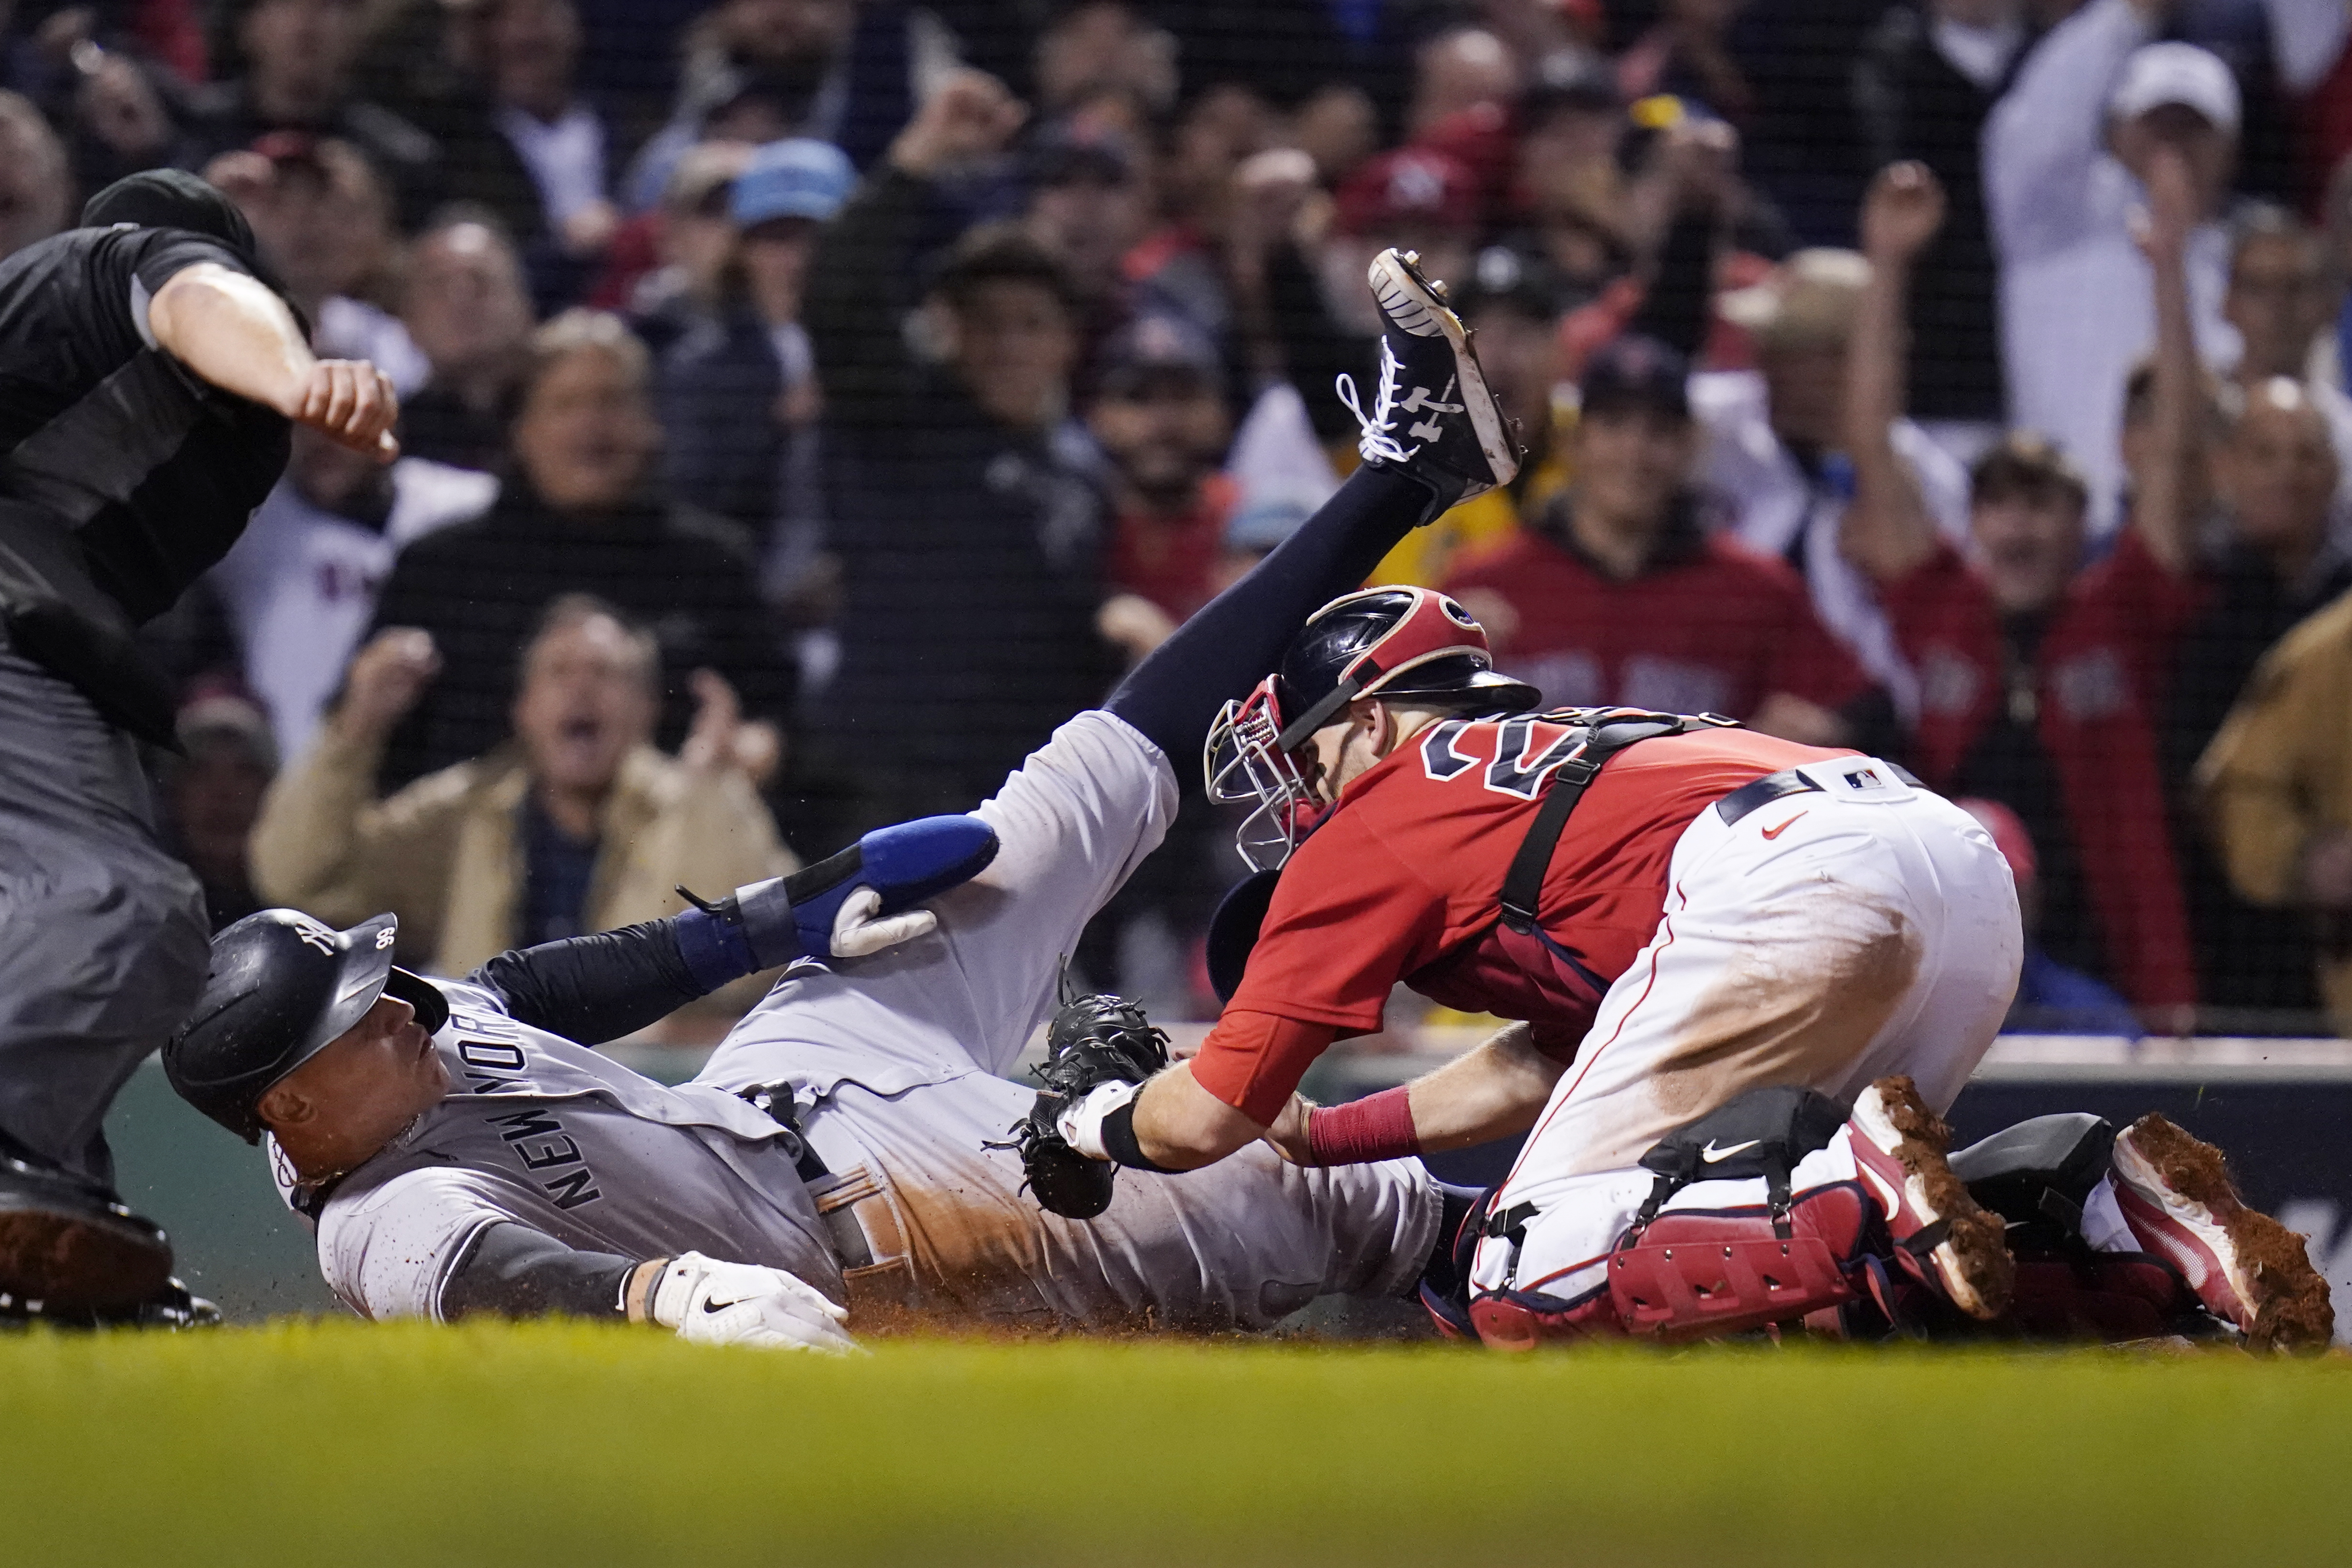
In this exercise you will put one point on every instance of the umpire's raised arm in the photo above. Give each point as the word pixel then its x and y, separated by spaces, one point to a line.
pixel 233 331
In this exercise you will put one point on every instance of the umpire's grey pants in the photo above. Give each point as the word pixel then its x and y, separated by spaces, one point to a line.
pixel 103 935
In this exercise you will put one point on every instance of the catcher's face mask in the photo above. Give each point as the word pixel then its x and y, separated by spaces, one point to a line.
pixel 1246 762
pixel 1259 749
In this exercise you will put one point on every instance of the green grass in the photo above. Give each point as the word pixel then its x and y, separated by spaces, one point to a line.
pixel 339 1444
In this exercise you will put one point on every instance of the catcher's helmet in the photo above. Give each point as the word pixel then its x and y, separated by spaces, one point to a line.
pixel 280 988
pixel 1395 643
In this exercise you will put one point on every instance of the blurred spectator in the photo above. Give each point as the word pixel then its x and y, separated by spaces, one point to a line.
pixel 1187 263
pixel 578 515
pixel 1779 457
pixel 1926 80
pixel 1298 263
pixel 2275 477
pixel 2066 153
pixel 522 113
pixel 1796 58
pixel 1090 204
pixel 762 70
pixel 1103 46
pixel 1615 593
pixel 575 824
pixel 1684 54
pixel 290 71
pixel 211 794
pixel 1414 198
pixel 1512 304
pixel 965 501
pixel 298 587
pixel 324 222
pixel 2283 296
pixel 668 267
pixel 1160 419
pixel 1566 193
pixel 2038 680
pixel 112 90
pixel 2276 786
pixel 2052 999
pixel 1696 231
pixel 1463 71
pixel 464 303
pixel 738 392
pixel 35 191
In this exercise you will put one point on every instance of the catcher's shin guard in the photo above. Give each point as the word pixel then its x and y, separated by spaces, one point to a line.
pixel 1698 1273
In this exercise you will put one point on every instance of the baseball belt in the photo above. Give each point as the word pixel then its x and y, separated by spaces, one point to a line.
pixel 854 1208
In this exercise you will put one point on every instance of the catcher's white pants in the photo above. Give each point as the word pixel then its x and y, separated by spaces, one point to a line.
pixel 892 1062
pixel 1826 939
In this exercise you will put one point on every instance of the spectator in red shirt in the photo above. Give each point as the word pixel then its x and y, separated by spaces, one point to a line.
pixel 2036 675
pixel 1614 593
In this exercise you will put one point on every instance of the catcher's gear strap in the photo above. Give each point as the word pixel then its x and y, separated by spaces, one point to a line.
pixel 1763 1132
pixel 1606 735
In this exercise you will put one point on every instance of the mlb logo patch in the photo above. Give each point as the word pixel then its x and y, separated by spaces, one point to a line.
pixel 1864 778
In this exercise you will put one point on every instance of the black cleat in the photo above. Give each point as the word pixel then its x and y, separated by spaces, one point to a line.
pixel 70 1246
pixel 1434 417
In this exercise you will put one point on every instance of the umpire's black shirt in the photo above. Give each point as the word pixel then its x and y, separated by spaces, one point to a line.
pixel 73 311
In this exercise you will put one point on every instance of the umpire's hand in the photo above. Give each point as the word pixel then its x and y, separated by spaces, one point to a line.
pixel 351 402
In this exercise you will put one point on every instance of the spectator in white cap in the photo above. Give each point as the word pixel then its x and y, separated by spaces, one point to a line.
pixel 2066 150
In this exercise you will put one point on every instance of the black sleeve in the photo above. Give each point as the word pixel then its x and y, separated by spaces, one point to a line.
pixel 513 1271
pixel 167 251
pixel 594 989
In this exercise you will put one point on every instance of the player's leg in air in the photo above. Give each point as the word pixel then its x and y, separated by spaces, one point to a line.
pixel 892 1061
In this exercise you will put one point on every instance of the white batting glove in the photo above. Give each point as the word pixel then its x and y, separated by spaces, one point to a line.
pixel 713 1302
pixel 857 934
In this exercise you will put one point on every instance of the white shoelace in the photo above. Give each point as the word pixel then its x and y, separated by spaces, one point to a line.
pixel 1377 443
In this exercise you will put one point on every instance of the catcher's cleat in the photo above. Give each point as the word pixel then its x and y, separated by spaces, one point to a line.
pixel 1434 417
pixel 1899 1148
pixel 69 1245
pixel 2249 1270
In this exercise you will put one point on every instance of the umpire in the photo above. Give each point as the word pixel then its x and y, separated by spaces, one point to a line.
pixel 150 370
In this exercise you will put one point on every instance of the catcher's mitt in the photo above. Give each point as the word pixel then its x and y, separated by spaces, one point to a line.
pixel 1092 1041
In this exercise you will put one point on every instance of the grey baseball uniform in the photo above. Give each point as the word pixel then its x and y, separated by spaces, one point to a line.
pixel 890 1064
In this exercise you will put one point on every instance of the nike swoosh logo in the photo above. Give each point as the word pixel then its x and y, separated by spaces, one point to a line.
pixel 1776 832
pixel 1711 1153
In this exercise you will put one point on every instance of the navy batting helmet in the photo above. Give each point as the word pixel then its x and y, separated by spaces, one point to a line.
pixel 280 988
pixel 1394 643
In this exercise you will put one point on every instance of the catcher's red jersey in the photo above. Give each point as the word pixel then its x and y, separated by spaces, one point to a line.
pixel 1403 881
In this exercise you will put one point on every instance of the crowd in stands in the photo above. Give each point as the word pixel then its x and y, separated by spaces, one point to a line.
pixel 808 404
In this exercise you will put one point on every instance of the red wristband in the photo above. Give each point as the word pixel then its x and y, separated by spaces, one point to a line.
pixel 1377 1127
